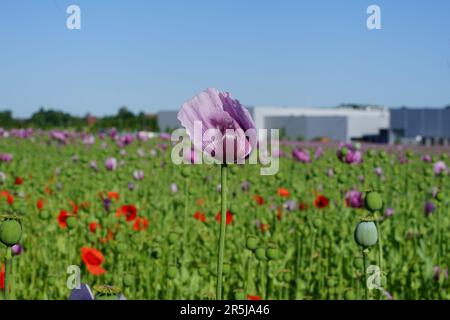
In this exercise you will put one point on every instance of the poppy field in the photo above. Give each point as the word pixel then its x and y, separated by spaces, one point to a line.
pixel 116 205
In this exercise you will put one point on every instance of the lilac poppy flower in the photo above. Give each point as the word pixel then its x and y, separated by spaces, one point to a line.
pixel 75 158
pixel 138 175
pixel 89 140
pixel 245 186
pixel 318 153
pixel 141 153
pixel 165 136
pixel 126 139
pixel 112 133
pixel 437 273
pixel 378 171
pixel 131 186
pixel 6 157
pixel 17 249
pixel 348 153
pixel 440 168
pixel 153 153
pixel 142 136
pixel 354 199
pixel 111 164
pixel 429 208
pixel 301 155
pixel 173 188
pixel 290 205
pixel 426 158
pixel 93 165
pixel 330 172
pixel 107 204
pixel 223 125
pixel 389 212
pixel 123 152
pixel 2 177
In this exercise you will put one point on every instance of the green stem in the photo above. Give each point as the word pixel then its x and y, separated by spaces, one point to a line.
pixel 8 265
pixel 247 273
pixel 365 266
pixel 223 224
pixel 268 280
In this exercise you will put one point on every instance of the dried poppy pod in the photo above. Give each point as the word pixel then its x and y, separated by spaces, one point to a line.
pixel 104 292
pixel 10 231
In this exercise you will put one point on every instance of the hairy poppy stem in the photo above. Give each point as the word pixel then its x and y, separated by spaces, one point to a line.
pixel 365 266
pixel 223 220
pixel 8 262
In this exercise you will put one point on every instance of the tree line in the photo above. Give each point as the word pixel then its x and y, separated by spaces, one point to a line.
pixel 55 119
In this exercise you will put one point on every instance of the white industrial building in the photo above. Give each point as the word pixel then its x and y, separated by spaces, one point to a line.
pixel 339 124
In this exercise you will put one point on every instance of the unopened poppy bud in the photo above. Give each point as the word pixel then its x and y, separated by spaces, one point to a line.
pixel 373 201
pixel 128 280
pixel 366 234
pixel 272 253
pixel 252 243
pixel 10 232
pixel 371 153
pixel 71 222
pixel 185 171
pixel 440 196
pixel 44 215
pixel 173 237
pixel 349 295
pixel 239 294
pixel 172 272
pixel 344 151
pixel 260 254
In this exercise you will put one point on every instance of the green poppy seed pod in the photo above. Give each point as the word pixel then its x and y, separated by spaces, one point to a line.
pixel 383 154
pixel 349 295
pixel 344 151
pixel 260 254
pixel 252 243
pixel 71 222
pixel 366 234
pixel 239 294
pixel 185 171
pixel 128 280
pixel 272 253
pixel 373 201
pixel 409 154
pixel 226 268
pixel 10 232
pixel 440 196
pixel 172 272
pixel 173 237
pixel 371 153
pixel 44 215
pixel 357 146
pixel 121 247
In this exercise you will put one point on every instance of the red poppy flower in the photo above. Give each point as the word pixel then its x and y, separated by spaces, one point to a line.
pixel 264 227
pixel 321 202
pixel 48 191
pixel 109 236
pixel 74 207
pixel 283 192
pixel 200 202
pixel 249 297
pixel 303 206
pixel 199 216
pixel 2 277
pixel 279 214
pixel 18 181
pixel 229 218
pixel 93 227
pixel 113 195
pixel 8 196
pixel 40 204
pixel 93 260
pixel 129 211
pixel 140 224
pixel 258 199
pixel 62 219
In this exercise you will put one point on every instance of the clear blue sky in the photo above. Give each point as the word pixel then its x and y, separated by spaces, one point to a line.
pixel 153 55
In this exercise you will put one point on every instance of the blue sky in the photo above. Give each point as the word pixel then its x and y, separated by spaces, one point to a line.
pixel 154 55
